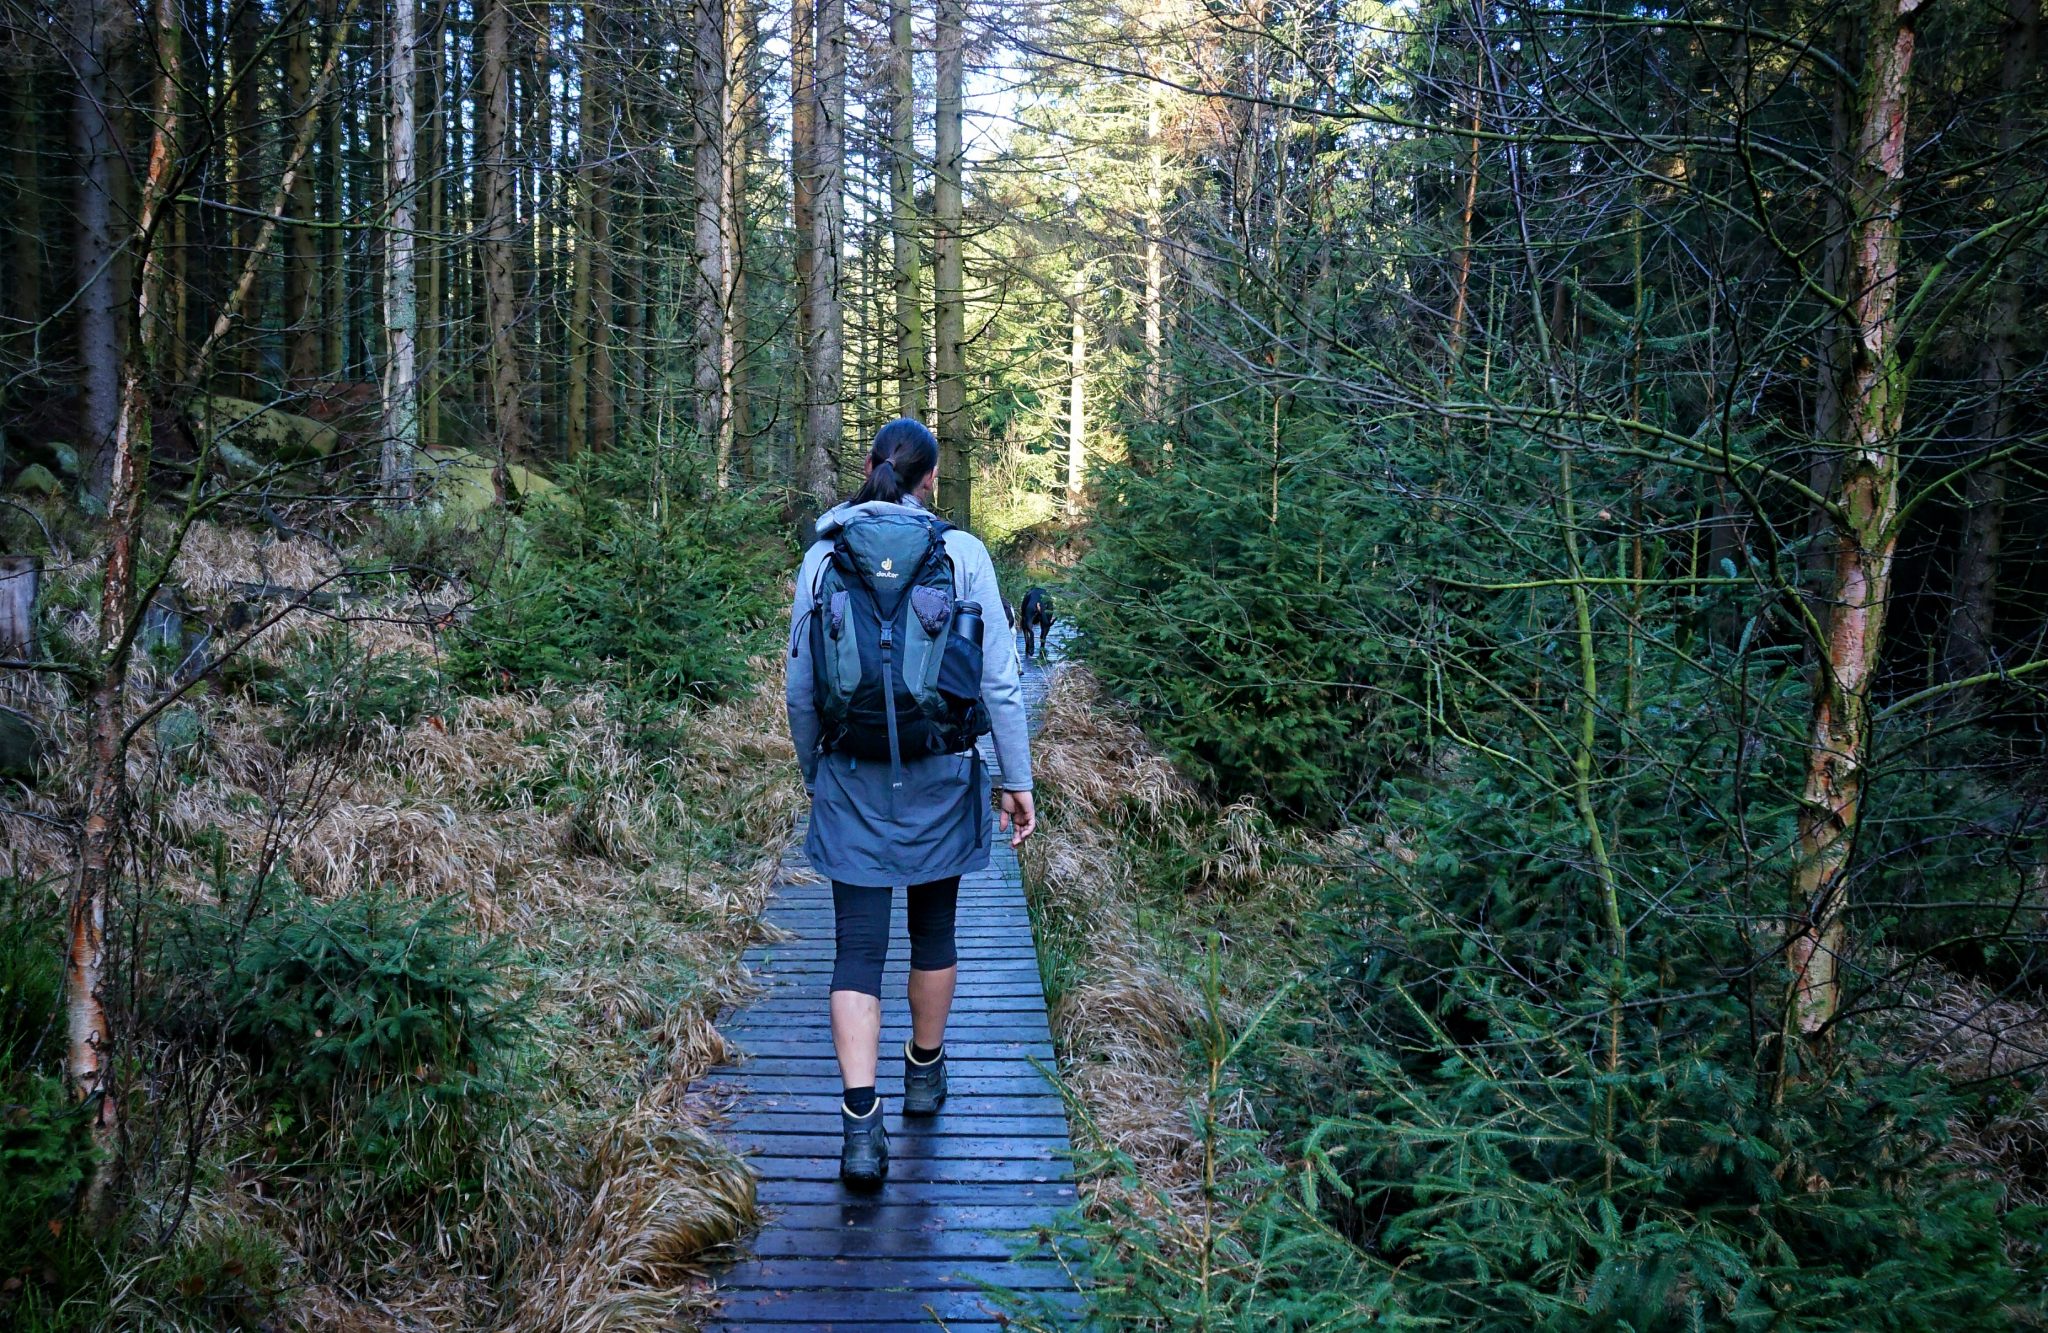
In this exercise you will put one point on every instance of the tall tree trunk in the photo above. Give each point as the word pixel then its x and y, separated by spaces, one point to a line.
pixel 433 282
pixel 90 1034
pixel 1464 283
pixel 825 375
pixel 304 354
pixel 910 357
pixel 25 217
pixel 333 180
pixel 1996 420
pixel 803 186
pixel 547 319
pixel 96 262
pixel 583 305
pixel 949 322
pixel 711 117
pixel 1154 257
pixel 497 234
pixel 743 61
pixel 603 376
pixel 401 296
pixel 1865 539
pixel 245 186
pixel 1077 384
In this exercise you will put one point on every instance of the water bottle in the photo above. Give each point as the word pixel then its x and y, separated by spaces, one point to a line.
pixel 967 621
pixel 960 663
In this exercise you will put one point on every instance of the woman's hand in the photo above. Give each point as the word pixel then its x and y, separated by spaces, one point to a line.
pixel 1020 817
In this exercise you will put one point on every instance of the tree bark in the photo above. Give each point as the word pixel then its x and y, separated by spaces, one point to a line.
pixel 825 373
pixel 95 261
pixel 401 294
pixel 711 117
pixel 1865 535
pixel 25 255
pixel 306 347
pixel 89 1031
pixel 243 360
pixel 949 323
pixel 1464 285
pixel 333 178
pixel 910 356
pixel 743 63
pixel 582 302
pixel 803 152
pixel 1154 257
pixel 433 283
pixel 1996 420
pixel 1077 384
pixel 497 235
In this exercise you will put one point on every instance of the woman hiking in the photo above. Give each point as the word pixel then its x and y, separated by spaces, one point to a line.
pixel 889 684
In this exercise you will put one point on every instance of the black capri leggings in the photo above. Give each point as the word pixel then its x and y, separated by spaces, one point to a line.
pixel 863 920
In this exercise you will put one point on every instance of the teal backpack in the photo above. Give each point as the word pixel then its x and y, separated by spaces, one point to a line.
pixel 890 676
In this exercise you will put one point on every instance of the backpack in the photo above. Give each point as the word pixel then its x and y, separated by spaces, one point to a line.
pixel 889 678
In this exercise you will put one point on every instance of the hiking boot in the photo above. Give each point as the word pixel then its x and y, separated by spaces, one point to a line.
pixel 864 1158
pixel 924 1086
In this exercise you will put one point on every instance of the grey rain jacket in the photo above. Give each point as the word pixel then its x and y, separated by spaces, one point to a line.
pixel 940 823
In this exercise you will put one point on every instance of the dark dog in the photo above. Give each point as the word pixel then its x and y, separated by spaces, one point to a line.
pixel 1036 618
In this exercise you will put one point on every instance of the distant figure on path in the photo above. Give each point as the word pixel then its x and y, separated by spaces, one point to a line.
pixel 1037 615
pixel 888 688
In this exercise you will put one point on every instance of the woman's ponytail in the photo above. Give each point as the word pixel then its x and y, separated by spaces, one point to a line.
pixel 903 455
pixel 881 485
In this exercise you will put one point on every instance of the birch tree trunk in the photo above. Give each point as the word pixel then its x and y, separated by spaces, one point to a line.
pixel 949 323
pixel 89 1033
pixel 1865 533
pixel 401 293
pixel 497 235
pixel 1996 419
pixel 825 374
pixel 910 356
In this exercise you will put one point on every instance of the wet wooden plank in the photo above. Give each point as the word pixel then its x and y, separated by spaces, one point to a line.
pixel 976 1194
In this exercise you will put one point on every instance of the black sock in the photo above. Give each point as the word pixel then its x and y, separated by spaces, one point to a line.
pixel 860 1101
pixel 923 1056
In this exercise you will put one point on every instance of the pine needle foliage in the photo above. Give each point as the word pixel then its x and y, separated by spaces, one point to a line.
pixel 382 1036
pixel 632 584
pixel 1247 615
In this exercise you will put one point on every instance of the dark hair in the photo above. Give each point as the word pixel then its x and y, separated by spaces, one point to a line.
pixel 903 455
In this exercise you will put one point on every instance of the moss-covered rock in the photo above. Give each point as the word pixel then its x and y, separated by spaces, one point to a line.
pixel 461 480
pixel 264 433
pixel 35 479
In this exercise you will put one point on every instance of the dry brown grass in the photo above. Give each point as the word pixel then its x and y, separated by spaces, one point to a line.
pixel 632 880
pixel 1125 1020
pixel 1971 1033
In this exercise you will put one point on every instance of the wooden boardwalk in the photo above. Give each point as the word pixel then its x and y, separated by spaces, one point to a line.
pixel 973 1194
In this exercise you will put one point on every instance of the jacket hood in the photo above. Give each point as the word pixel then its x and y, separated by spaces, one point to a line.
pixel 838 516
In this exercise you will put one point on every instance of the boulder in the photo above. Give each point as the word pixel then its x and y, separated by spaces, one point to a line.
pixel 460 479
pixel 35 479
pixel 20 748
pixel 265 433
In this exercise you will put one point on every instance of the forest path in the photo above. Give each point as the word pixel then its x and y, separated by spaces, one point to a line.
pixel 973 1194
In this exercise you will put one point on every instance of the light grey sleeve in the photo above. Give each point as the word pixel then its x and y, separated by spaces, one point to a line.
pixel 796 685
pixel 1002 685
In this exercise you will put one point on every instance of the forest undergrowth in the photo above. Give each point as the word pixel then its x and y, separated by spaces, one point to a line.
pixel 426 947
pixel 1279 1127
